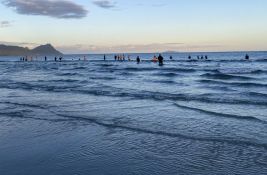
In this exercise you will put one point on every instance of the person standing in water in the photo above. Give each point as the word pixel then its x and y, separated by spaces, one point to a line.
pixel 45 58
pixel 138 59
pixel 170 57
pixel 189 57
pixel 154 59
pixel 104 57
pixel 160 58
pixel 206 57
pixel 247 57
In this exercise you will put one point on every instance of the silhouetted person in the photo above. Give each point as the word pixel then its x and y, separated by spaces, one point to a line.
pixel 247 57
pixel 198 57
pixel 138 59
pixel 160 58
pixel 170 57
pixel 60 58
pixel 206 57
pixel 115 57
pixel 202 57
pixel 189 57
pixel 55 58
pixel 45 58
pixel 104 57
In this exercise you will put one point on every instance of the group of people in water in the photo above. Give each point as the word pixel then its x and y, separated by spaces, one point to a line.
pixel 32 59
pixel 56 59
pixel 200 57
pixel 121 57
pixel 160 58
pixel 26 58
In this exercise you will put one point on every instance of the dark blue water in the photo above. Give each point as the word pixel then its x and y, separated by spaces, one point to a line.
pixel 96 117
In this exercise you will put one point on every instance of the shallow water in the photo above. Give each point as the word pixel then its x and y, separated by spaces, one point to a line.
pixel 96 117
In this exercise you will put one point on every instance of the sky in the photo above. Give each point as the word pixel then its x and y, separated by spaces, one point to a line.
pixel 123 26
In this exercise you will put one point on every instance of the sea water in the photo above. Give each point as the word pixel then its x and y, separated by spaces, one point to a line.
pixel 118 117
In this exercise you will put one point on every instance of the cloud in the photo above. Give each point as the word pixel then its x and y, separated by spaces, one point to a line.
pixel 159 5
pixel 52 8
pixel 139 48
pixel 5 24
pixel 107 4
pixel 152 4
pixel 126 48
pixel 20 44
pixel 173 43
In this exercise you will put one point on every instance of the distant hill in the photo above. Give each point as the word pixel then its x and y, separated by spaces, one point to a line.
pixel 47 49
pixel 13 50
pixel 171 52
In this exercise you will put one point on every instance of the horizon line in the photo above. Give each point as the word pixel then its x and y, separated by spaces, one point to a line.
pixel 165 52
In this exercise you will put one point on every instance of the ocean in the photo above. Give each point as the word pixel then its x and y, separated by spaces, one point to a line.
pixel 118 117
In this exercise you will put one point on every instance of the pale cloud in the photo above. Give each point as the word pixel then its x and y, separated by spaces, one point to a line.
pixel 52 8
pixel 107 4
pixel 128 48
pixel 5 24
pixel 151 4
pixel 20 44
pixel 138 48
pixel 159 5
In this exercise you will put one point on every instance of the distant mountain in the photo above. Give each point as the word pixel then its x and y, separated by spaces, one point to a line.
pixel 173 52
pixel 47 49
pixel 13 50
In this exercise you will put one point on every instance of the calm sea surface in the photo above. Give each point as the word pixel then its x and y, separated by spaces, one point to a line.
pixel 118 117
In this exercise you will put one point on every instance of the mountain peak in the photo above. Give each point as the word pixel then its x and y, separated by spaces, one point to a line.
pixel 46 49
